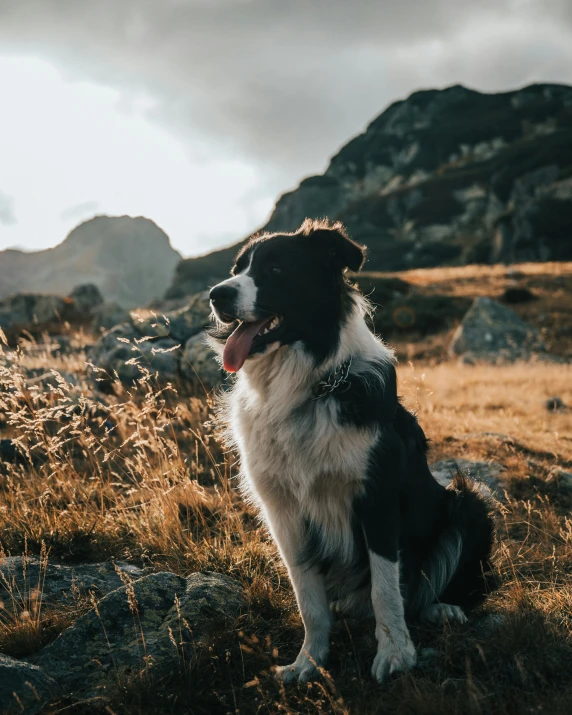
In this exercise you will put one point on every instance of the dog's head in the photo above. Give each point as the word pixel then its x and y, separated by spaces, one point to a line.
pixel 285 289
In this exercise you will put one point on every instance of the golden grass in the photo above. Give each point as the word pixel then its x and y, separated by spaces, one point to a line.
pixel 467 403
pixel 485 275
pixel 139 476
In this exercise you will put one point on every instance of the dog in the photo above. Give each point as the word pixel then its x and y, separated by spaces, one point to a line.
pixel 334 462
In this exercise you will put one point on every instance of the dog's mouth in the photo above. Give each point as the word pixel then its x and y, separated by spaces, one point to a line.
pixel 246 337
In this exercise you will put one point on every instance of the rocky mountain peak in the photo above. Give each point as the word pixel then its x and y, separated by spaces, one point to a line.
pixel 444 177
pixel 129 259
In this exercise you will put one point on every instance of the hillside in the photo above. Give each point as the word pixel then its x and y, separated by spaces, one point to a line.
pixel 445 177
pixel 129 259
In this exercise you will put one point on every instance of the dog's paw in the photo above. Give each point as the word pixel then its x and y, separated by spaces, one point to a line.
pixel 392 658
pixel 302 672
pixel 304 668
pixel 443 613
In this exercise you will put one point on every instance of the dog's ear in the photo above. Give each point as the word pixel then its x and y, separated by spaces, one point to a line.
pixel 337 246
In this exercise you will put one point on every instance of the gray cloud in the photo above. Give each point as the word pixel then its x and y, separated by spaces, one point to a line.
pixel 7 215
pixel 283 83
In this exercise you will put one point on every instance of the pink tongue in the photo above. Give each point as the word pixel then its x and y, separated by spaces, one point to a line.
pixel 238 345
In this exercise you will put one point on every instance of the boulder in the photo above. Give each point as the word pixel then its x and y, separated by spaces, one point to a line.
pixel 107 315
pixel 156 342
pixel 122 354
pixel 485 472
pixel 53 583
pixel 494 333
pixel 153 625
pixel 86 298
pixel 179 325
pixel 24 688
pixel 24 309
pixel 518 294
pixel 198 361
pixel 562 478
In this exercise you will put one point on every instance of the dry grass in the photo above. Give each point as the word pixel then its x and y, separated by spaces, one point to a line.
pixel 137 476
pixel 550 313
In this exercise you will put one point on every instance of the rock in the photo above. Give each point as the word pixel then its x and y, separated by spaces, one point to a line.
pixel 517 294
pixel 489 623
pixel 62 582
pixel 563 478
pixel 24 309
pixel 156 343
pixel 198 362
pixel 141 627
pixel 86 298
pixel 494 333
pixel 555 404
pixel 179 325
pixel 486 472
pixel 24 688
pixel 107 315
pixel 8 450
pixel 122 354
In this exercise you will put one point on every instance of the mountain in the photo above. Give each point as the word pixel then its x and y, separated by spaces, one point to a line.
pixel 445 177
pixel 130 259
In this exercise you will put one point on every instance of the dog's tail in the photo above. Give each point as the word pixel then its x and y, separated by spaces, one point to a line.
pixel 458 569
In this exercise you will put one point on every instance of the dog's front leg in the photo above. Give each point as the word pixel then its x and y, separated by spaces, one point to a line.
pixel 395 650
pixel 378 516
pixel 310 591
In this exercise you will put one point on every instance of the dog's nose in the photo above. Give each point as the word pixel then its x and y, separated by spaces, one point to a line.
pixel 223 296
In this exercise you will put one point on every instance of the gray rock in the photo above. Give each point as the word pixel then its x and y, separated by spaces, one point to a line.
pixel 86 298
pixel 121 352
pixel 24 688
pixel 486 472
pixel 107 315
pixel 56 583
pixel 492 332
pixel 198 362
pixel 154 624
pixel 518 294
pixel 156 343
pixel 181 324
pixel 562 477
pixel 555 404
pixel 8 450
pixel 32 308
pixel 489 623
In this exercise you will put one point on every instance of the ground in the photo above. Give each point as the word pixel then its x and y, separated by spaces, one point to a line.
pixel 140 476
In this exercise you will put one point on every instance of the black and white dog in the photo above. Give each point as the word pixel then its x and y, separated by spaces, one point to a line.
pixel 336 465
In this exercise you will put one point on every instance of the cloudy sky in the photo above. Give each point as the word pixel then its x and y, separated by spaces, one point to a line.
pixel 199 113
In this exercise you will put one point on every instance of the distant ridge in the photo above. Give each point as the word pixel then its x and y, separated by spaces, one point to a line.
pixel 130 259
pixel 444 177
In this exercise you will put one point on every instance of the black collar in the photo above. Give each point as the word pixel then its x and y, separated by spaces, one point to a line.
pixel 336 381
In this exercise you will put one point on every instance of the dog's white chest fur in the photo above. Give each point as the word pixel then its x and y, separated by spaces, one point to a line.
pixel 299 458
